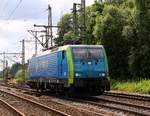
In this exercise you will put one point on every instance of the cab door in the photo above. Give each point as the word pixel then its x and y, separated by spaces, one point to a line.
pixel 62 65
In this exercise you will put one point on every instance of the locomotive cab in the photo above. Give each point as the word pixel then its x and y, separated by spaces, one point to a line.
pixel 90 69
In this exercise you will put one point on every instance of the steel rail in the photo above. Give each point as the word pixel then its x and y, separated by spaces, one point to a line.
pixel 60 103
pixel 98 103
pixel 81 109
pixel 15 111
pixel 139 97
pixel 129 96
pixel 126 104
pixel 57 112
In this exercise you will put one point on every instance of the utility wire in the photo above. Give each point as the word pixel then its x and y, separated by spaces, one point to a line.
pixel 5 3
pixel 14 10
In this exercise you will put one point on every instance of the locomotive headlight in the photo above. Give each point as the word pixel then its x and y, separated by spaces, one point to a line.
pixel 77 74
pixel 103 74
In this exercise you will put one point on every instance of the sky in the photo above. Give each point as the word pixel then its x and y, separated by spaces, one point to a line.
pixel 17 16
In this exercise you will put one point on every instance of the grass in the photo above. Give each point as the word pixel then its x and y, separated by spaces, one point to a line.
pixel 140 86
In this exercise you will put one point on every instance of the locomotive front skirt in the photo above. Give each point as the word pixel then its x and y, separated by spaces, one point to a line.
pixel 71 67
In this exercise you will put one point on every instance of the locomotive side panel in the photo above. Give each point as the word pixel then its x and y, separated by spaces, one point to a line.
pixel 49 70
pixel 43 66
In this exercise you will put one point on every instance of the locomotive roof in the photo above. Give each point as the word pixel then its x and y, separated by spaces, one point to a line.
pixel 64 48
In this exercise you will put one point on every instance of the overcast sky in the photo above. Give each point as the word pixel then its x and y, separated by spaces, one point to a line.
pixel 13 26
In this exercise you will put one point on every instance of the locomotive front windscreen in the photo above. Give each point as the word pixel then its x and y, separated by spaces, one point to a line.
pixel 87 53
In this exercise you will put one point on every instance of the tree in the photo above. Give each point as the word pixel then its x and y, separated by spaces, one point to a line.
pixel 91 13
pixel 64 27
pixel 109 29
pixel 122 26
pixel 140 63
pixel 14 69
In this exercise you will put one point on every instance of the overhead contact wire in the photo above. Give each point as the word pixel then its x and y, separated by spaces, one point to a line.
pixel 14 10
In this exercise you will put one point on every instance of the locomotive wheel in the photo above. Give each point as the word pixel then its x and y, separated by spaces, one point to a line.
pixel 102 89
pixel 71 91
pixel 37 87
pixel 107 88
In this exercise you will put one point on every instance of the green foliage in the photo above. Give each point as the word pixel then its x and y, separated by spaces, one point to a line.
pixel 64 27
pixel 122 26
pixel 19 77
pixel 140 86
pixel 140 54
pixel 69 36
pixel 110 28
pixel 114 2
pixel 1 77
pixel 91 13
pixel 15 68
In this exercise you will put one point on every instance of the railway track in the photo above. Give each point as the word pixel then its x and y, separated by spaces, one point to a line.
pixel 21 87
pixel 110 93
pixel 121 103
pixel 135 104
pixel 29 107
pixel 125 108
pixel 9 107
pixel 50 101
pixel 129 96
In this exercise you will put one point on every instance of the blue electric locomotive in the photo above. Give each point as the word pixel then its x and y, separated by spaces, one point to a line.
pixel 81 68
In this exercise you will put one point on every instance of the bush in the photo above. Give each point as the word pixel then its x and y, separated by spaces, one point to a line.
pixel 19 77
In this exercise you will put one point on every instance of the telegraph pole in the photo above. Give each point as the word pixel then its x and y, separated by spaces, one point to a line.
pixel 81 28
pixel 23 52
pixel 3 68
pixel 45 44
pixel 49 31
pixel 35 43
pixel 4 65
pixel 6 68
pixel 83 25
pixel 75 19
pixel 50 28
pixel 37 40
pixel 23 58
